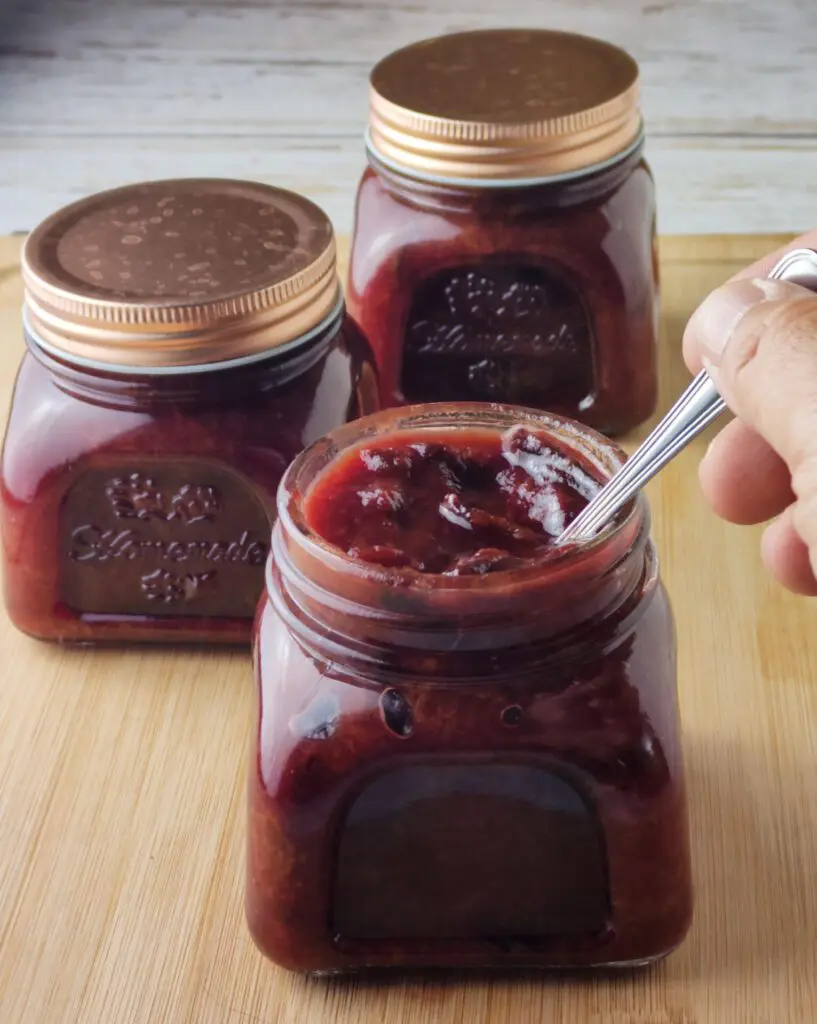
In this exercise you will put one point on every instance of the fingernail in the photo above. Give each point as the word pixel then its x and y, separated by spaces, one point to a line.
pixel 716 318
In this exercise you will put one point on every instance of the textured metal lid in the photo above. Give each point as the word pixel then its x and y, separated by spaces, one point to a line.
pixel 179 273
pixel 504 104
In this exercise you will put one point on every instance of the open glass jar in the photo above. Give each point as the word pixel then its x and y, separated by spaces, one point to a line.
pixel 186 339
pixel 504 242
pixel 473 770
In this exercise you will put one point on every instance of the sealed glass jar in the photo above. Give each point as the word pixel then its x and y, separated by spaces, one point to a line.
pixel 504 241
pixel 467 751
pixel 186 339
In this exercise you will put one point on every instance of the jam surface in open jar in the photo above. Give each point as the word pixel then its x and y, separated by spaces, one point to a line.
pixel 453 502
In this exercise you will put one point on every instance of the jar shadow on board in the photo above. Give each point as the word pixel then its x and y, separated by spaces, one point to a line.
pixel 477 767
pixel 186 339
pixel 504 246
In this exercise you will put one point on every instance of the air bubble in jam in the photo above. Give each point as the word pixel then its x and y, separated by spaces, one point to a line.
pixel 512 715
pixel 396 713
pixel 449 502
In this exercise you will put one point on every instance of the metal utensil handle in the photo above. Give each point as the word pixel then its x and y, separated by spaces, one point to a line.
pixel 697 407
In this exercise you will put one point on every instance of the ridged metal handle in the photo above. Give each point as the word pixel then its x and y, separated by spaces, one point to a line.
pixel 697 407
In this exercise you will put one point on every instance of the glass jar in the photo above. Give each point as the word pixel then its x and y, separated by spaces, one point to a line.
pixel 186 339
pixel 504 245
pixel 465 771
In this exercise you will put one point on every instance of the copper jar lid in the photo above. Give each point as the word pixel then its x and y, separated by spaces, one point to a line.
pixel 509 104
pixel 179 273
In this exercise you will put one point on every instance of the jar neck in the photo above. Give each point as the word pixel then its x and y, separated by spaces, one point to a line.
pixel 579 609
pixel 561 191
pixel 380 623
pixel 130 387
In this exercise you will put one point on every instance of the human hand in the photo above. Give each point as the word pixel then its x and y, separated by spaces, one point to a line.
pixel 758 339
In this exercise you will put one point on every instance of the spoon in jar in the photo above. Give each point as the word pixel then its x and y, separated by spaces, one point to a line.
pixel 697 407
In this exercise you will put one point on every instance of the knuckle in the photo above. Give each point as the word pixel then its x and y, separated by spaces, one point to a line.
pixel 772 332
pixel 771 366
pixel 795 321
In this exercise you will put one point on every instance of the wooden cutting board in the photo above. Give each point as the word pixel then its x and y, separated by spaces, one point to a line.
pixel 122 801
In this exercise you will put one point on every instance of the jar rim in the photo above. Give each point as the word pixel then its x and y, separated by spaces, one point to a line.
pixel 500 183
pixel 616 539
pixel 173 370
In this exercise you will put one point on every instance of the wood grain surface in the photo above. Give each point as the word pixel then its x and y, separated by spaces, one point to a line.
pixel 94 93
pixel 122 802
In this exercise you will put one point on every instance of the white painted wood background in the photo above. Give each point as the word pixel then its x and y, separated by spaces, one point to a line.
pixel 94 93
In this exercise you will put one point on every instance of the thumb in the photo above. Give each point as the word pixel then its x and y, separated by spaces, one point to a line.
pixel 758 338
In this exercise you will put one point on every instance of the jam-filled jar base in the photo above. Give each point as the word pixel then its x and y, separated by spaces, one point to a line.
pixel 467 750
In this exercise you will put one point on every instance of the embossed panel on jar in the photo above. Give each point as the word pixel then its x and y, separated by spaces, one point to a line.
pixel 162 539
pixel 498 331
pixel 470 851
